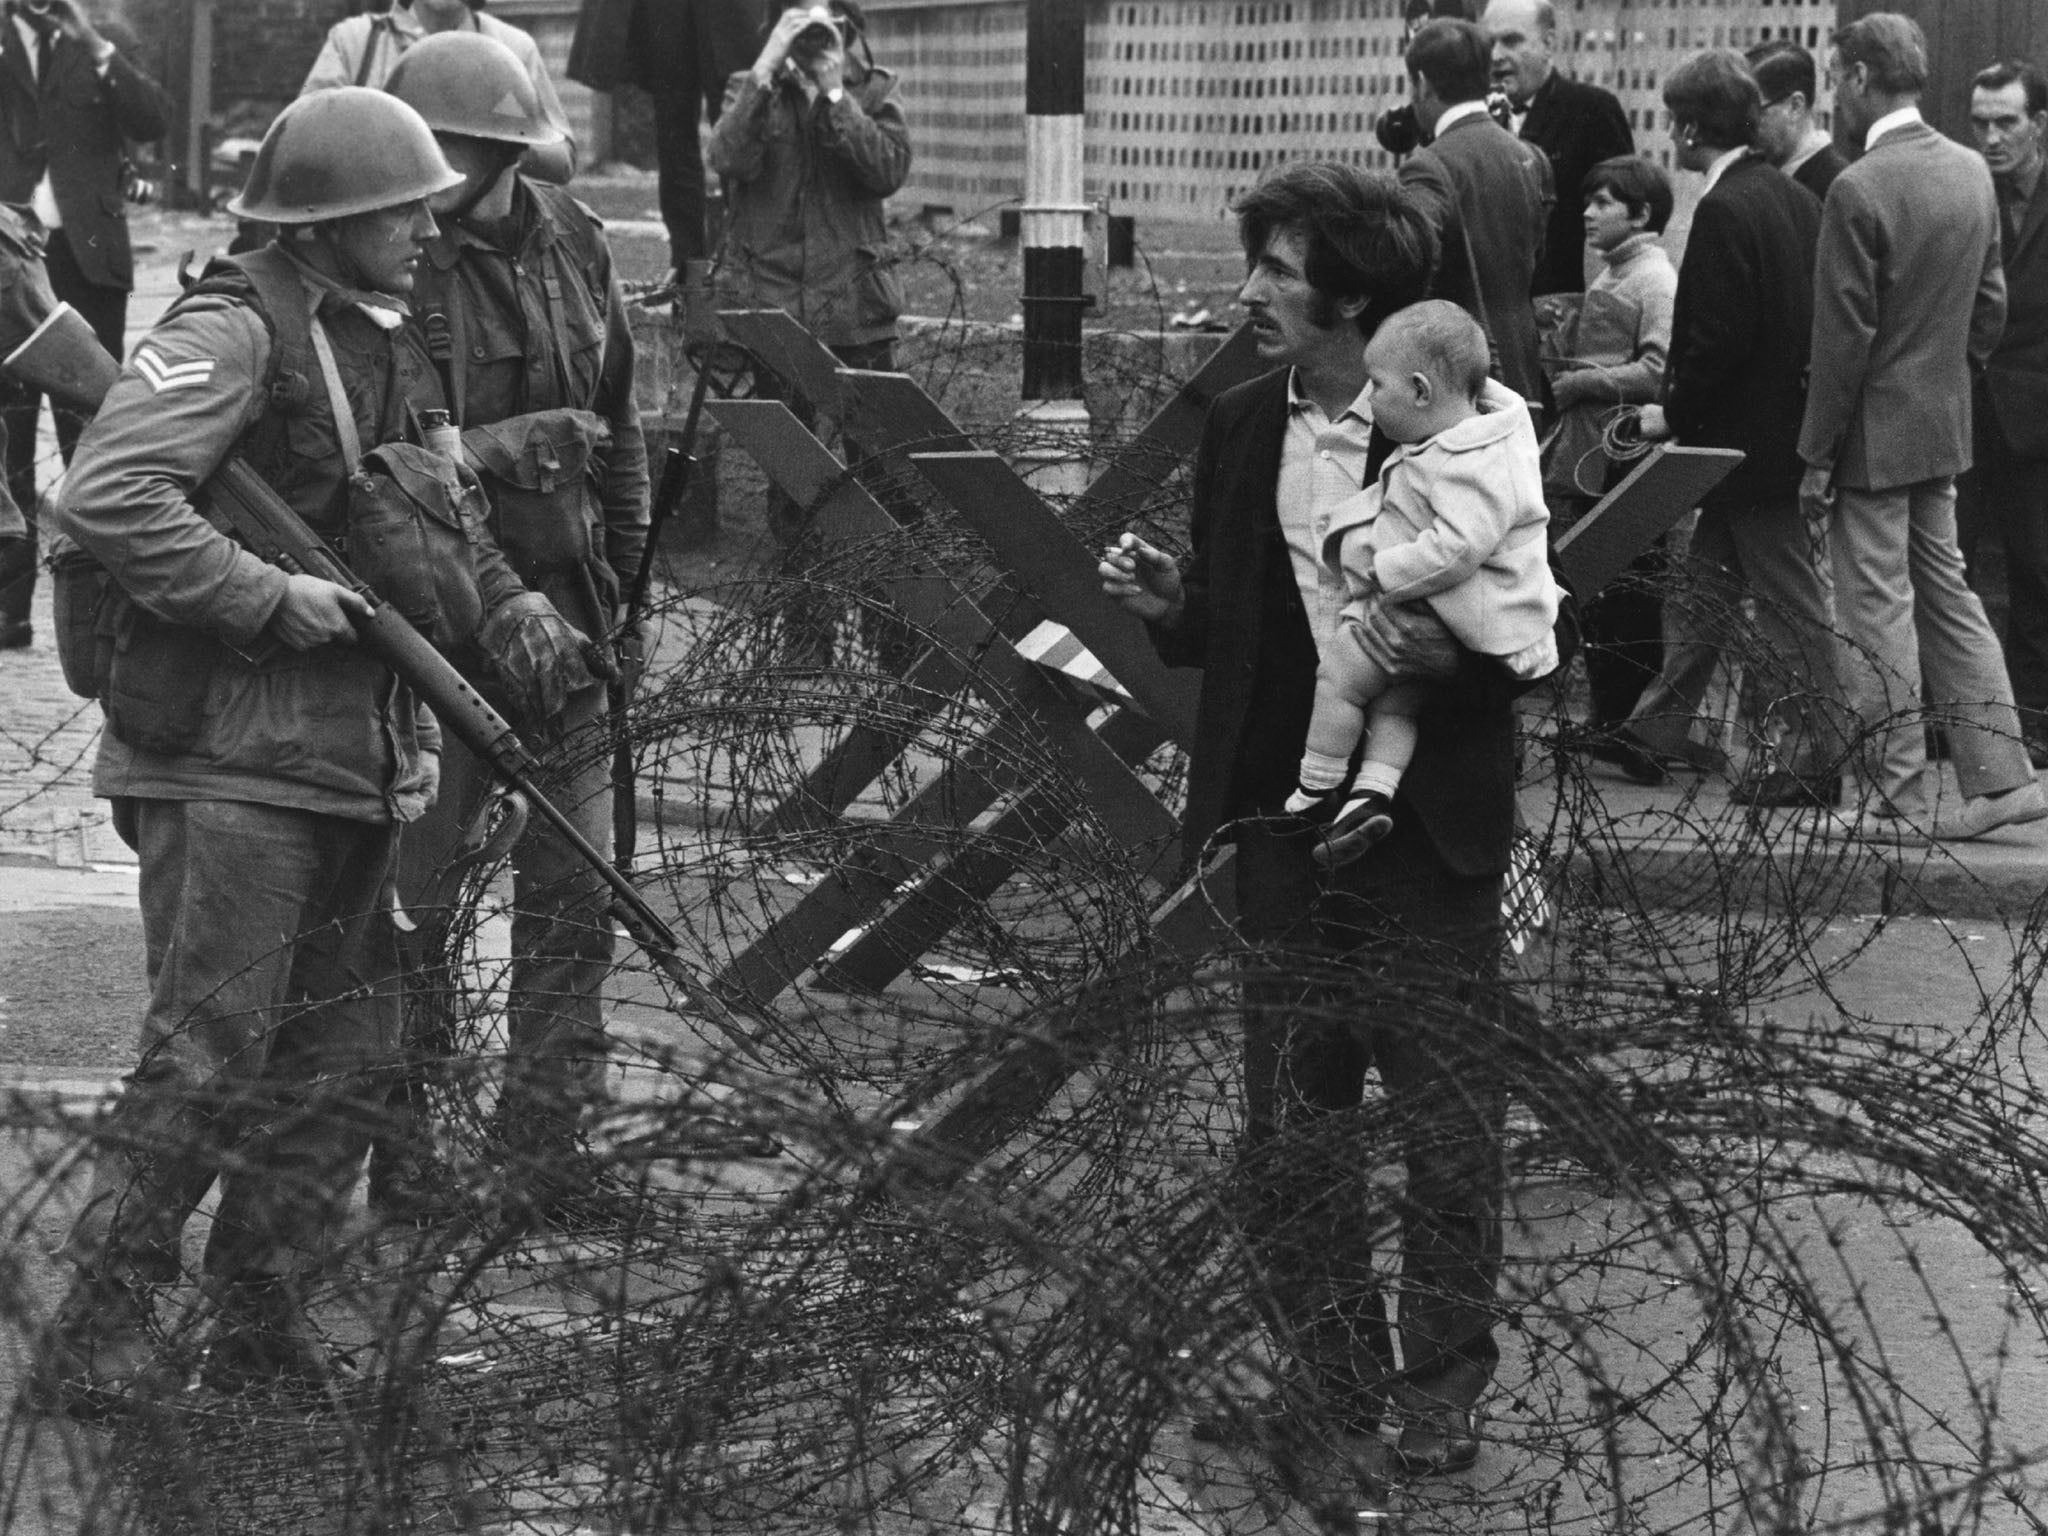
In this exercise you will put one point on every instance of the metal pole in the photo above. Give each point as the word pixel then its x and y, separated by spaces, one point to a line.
pixel 1055 209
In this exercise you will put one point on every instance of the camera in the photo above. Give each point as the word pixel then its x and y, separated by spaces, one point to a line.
pixel 1397 130
pixel 822 31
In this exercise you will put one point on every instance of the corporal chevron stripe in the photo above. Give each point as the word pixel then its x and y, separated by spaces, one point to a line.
pixel 161 375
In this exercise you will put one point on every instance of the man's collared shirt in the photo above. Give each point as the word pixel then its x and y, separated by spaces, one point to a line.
pixel 1888 122
pixel 43 200
pixel 1321 463
pixel 1720 166
pixel 1816 140
pixel 1458 114
pixel 2015 192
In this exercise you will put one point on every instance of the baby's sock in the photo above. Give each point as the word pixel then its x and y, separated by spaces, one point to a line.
pixel 1320 773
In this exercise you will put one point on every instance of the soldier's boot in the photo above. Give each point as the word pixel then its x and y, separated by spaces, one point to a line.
pixel 99 1356
pixel 263 1340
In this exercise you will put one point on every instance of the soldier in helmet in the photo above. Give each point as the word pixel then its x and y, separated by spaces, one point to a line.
pixel 258 761
pixel 517 299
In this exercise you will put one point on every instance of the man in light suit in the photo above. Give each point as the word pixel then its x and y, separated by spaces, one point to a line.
pixel 364 49
pixel 1485 192
pixel 2005 498
pixel 1575 123
pixel 1908 301
pixel 71 100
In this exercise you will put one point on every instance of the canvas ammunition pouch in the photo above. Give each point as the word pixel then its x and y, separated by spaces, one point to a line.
pixel 543 472
pixel 414 517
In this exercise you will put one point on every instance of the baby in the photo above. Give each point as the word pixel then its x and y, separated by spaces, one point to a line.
pixel 1457 519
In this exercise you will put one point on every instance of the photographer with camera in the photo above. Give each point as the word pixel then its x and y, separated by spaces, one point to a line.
pixel 809 144
pixel 71 100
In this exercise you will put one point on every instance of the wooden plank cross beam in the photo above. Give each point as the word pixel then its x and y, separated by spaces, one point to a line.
pixel 1018 690
pixel 880 910
pixel 1194 918
pixel 806 470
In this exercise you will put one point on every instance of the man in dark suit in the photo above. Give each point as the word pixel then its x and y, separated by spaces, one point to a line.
pixel 1333 251
pixel 1737 379
pixel 2005 497
pixel 1485 193
pixel 1909 300
pixel 681 52
pixel 71 99
pixel 1786 132
pixel 1576 125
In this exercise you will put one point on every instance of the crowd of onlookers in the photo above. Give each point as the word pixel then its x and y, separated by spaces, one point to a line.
pixel 1866 333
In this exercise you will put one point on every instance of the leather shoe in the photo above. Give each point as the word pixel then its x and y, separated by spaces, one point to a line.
pixel 99 1356
pixel 1338 1466
pixel 1781 789
pixel 1437 1441
pixel 1621 748
pixel 1983 814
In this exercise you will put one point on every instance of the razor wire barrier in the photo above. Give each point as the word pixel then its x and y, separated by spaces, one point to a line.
pixel 998 1263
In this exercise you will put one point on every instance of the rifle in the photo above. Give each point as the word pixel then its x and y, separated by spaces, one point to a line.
pixel 65 359
pixel 273 531
pixel 677 467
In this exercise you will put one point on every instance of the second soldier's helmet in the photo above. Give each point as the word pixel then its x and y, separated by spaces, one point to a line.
pixel 342 152
pixel 468 84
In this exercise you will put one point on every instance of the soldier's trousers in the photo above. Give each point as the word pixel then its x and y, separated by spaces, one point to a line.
pixel 562 940
pixel 267 1045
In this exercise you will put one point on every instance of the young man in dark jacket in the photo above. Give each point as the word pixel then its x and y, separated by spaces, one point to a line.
pixel 1350 959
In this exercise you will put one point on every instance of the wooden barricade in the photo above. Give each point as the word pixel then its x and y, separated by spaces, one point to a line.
pixel 890 902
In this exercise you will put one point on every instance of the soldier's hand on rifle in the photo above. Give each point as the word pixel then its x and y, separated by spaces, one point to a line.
pixel 316 612
pixel 540 656
pixel 1142 580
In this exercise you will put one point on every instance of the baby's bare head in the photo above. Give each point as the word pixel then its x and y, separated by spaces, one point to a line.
pixel 1428 364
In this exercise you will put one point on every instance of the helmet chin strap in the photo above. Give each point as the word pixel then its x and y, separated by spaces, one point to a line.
pixel 485 185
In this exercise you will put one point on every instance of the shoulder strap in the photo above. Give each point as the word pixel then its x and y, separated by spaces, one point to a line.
pixel 371 39
pixel 337 397
pixel 269 283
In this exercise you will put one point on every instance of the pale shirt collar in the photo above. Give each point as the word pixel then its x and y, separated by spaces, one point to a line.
pixel 1816 140
pixel 1458 114
pixel 1720 167
pixel 1889 121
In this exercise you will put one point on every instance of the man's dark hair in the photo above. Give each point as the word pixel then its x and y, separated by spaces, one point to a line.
pixel 1455 58
pixel 1892 47
pixel 1362 235
pixel 1996 77
pixel 1781 67
pixel 1716 96
pixel 1638 184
